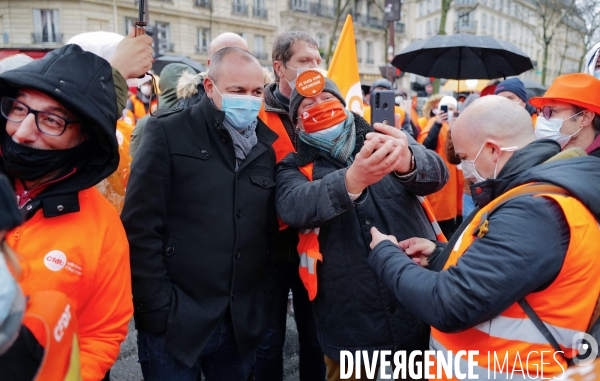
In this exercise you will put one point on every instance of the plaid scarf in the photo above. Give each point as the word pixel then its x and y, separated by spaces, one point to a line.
pixel 340 148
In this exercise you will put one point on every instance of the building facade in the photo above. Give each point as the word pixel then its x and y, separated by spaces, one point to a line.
pixel 516 21
pixel 186 27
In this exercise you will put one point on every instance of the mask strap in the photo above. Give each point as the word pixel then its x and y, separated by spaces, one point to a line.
pixel 507 149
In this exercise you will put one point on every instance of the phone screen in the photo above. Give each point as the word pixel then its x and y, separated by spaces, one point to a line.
pixel 444 108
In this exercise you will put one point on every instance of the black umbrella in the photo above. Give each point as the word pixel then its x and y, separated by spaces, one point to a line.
pixel 163 61
pixel 463 56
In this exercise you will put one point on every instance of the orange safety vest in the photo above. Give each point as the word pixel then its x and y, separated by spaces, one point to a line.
pixel 445 202
pixel 139 108
pixel 310 250
pixel 283 145
pixel 565 306
pixel 50 316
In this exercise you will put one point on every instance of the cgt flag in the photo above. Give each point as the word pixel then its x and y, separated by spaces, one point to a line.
pixel 343 69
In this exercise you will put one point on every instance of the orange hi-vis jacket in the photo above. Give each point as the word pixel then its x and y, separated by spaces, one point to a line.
pixel 84 255
pixel 50 319
pixel 445 202
pixel 283 145
pixel 310 251
pixel 565 306
pixel 139 108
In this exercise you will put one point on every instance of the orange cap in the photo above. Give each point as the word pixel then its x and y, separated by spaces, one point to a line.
pixel 578 89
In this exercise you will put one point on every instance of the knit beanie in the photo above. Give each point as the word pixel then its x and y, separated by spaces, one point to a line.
pixel 10 216
pixel 514 85
pixel 296 98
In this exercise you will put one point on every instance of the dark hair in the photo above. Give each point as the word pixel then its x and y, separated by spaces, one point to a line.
pixel 282 47
pixel 217 59
pixel 595 121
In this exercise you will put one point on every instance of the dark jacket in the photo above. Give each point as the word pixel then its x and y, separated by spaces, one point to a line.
pixel 522 252
pixel 167 99
pixel 82 82
pixel 287 239
pixel 353 309
pixel 201 234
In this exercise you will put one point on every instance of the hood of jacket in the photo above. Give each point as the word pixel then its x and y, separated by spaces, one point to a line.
pixel 542 161
pixel 83 83
pixel 591 57
pixel 169 78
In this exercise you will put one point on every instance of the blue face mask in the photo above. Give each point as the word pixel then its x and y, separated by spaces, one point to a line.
pixel 597 74
pixel 329 133
pixel 241 111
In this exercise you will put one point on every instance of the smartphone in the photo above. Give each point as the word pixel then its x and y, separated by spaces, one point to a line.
pixel 382 107
pixel 444 108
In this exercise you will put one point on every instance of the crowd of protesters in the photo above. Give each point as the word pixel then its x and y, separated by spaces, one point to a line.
pixel 472 227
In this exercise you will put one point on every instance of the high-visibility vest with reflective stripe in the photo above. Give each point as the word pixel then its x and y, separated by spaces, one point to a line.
pixel 50 316
pixel 283 145
pixel 565 306
pixel 310 251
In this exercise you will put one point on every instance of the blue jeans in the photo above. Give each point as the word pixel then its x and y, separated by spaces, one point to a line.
pixel 269 354
pixel 219 360
pixel 468 204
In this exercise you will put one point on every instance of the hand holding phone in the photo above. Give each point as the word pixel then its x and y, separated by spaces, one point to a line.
pixel 382 107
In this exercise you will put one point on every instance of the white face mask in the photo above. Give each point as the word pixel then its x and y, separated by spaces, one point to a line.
pixel 450 115
pixel 470 171
pixel 12 307
pixel 292 83
pixel 329 133
pixel 550 129
pixel 146 89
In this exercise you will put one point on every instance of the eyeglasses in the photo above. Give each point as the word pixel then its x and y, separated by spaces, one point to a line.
pixel 47 122
pixel 548 111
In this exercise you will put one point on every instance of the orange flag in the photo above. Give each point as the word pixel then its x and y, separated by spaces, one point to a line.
pixel 343 69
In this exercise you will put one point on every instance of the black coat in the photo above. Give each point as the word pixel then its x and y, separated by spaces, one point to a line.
pixel 353 309
pixel 201 235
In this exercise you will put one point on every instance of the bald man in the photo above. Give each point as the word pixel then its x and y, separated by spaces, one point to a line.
pixel 190 87
pixel 521 244
pixel 201 223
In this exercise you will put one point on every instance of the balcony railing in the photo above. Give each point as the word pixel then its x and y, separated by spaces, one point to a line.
pixel 468 27
pixel 44 38
pixel 300 5
pixel 239 9
pixel 203 3
pixel 399 27
pixel 322 10
pixel 465 3
pixel 166 47
pixel 201 49
pixel 375 22
pixel 259 12
pixel 370 60
pixel 261 55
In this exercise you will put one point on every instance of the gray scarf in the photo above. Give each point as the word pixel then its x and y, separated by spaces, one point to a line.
pixel 243 141
pixel 340 148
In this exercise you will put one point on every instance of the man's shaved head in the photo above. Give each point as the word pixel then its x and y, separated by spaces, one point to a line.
pixel 224 40
pixel 239 55
pixel 494 117
pixel 489 131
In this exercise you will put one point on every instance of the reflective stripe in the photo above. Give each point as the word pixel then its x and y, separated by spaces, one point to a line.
pixel 524 330
pixel 482 372
pixel 311 265
pixel 303 260
pixel 436 228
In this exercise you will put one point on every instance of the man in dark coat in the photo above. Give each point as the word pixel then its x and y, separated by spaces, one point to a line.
pixel 200 218
pixel 518 249
pixel 360 178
